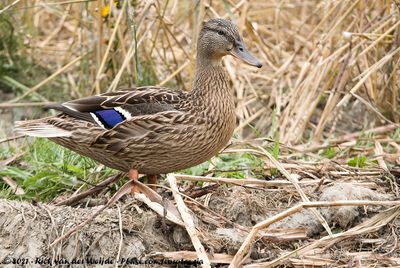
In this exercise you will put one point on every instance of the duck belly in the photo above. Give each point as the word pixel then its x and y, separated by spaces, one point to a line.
pixel 176 152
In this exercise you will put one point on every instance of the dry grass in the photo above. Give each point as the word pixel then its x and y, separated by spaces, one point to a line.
pixel 329 87
pixel 322 59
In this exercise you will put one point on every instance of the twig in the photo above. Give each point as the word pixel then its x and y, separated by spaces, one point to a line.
pixel 245 247
pixel 370 225
pixel 10 160
pixel 121 236
pixel 188 221
pixel 242 182
pixel 379 151
pixel 177 71
pixel 368 73
pixel 298 188
pixel 289 234
pixel 12 138
pixel 67 2
pixel 16 189
pixel 160 209
pixel 48 79
pixel 125 189
pixel 8 105
pixel 75 198
pixel 110 43
pixel 352 136
pixel 196 193
pixel 9 6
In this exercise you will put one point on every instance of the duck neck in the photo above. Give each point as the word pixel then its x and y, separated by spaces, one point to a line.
pixel 204 60
pixel 210 79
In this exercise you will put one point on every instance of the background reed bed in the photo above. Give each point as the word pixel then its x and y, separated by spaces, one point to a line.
pixel 329 66
pixel 319 121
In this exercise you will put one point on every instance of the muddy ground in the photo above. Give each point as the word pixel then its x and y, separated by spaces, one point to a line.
pixel 130 231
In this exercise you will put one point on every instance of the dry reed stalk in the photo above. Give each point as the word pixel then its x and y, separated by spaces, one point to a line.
pixel 110 42
pixel 319 60
pixel 14 186
pixel 367 74
pixel 9 6
pixel 11 138
pixel 245 247
pixel 121 192
pixel 244 182
pixel 48 79
pixel 294 180
pixel 148 196
pixel 334 96
pixel 380 153
pixel 177 71
pixel 303 53
pixel 279 183
pixel 8 105
pixel 160 209
pixel 188 222
pixel 348 137
pixel 79 196
pixel 133 46
pixel 370 225
pixel 287 234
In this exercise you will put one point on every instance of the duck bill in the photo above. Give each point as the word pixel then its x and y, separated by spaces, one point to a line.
pixel 240 51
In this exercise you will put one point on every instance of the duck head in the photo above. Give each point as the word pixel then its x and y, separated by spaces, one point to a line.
pixel 220 37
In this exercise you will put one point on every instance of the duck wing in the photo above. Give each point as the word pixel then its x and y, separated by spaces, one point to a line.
pixel 110 109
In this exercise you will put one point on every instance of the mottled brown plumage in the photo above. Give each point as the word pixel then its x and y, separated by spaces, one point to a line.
pixel 163 130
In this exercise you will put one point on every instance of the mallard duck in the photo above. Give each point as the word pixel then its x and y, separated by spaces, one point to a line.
pixel 155 130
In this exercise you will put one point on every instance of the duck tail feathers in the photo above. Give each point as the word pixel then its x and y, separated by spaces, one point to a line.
pixel 38 128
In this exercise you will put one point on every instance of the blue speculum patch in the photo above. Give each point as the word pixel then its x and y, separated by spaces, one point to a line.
pixel 109 117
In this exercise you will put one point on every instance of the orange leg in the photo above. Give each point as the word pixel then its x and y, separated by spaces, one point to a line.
pixel 134 175
pixel 152 179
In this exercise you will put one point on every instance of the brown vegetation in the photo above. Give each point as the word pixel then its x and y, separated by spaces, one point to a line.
pixel 328 97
